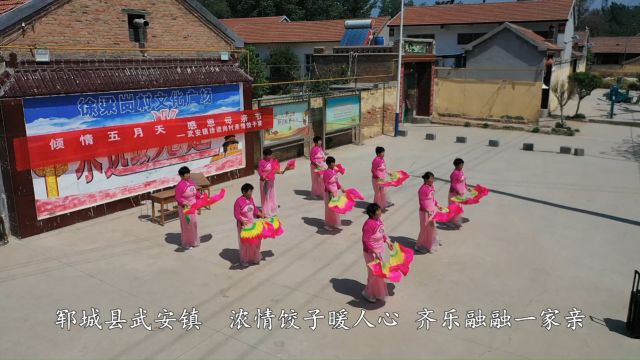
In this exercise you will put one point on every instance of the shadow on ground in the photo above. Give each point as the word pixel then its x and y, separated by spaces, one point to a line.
pixel 353 288
pixel 628 149
pixel 306 194
pixel 233 257
pixel 174 239
pixel 319 225
pixel 616 326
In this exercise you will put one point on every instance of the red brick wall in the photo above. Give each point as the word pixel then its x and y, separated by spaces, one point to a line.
pixel 102 23
pixel 379 65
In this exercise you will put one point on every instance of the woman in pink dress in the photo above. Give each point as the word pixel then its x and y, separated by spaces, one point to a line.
pixel 331 187
pixel 379 171
pixel 427 239
pixel 317 160
pixel 268 167
pixel 458 187
pixel 245 211
pixel 373 240
pixel 186 195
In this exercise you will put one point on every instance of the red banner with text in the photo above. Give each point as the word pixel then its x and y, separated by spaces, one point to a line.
pixel 39 151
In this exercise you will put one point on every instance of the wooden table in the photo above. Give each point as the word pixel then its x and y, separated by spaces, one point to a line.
pixel 169 196
pixel 163 198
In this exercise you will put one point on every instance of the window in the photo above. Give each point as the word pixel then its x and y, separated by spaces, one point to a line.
pixel 308 63
pixel 392 31
pixel 466 38
pixel 137 24
pixel 544 34
pixel 422 36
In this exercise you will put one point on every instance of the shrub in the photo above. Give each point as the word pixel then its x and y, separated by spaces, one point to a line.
pixel 467 124
pixel 485 125
pixel 535 130
pixel 559 125
pixel 569 132
pixel 579 116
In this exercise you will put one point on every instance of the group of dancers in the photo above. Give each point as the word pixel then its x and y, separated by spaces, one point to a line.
pixel 326 185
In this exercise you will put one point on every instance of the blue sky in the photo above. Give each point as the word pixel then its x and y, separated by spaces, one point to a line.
pixel 596 3
pixel 45 115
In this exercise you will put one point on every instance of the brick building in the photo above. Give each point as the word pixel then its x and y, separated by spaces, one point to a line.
pixel 83 84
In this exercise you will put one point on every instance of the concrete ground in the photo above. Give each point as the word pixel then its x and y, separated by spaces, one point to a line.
pixel 597 107
pixel 557 232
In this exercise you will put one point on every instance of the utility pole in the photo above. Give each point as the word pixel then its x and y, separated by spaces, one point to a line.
pixel 400 49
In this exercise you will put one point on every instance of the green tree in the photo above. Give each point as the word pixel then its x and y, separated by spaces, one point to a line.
pixel 323 86
pixel 283 67
pixel 584 83
pixel 563 91
pixel 392 7
pixel 358 8
pixel 615 20
pixel 256 68
pixel 219 8
pixel 582 8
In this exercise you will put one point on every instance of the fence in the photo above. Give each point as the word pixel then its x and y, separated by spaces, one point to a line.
pixel 339 117
pixel 505 95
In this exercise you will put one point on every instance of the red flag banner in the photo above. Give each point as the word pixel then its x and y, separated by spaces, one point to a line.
pixel 39 151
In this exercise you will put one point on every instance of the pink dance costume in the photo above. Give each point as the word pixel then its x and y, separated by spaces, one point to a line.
pixel 373 238
pixel 317 160
pixel 186 195
pixel 427 239
pixel 458 187
pixel 331 187
pixel 267 170
pixel 245 211
pixel 379 171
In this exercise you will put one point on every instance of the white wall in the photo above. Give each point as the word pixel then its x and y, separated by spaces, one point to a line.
pixel 300 49
pixel 446 36
pixel 4 212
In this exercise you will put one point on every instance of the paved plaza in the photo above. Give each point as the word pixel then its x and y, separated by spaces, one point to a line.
pixel 597 107
pixel 557 232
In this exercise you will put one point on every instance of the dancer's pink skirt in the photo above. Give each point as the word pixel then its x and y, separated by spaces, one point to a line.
pixel 189 231
pixel 317 185
pixel 330 218
pixel 380 194
pixel 248 253
pixel 427 239
pixel 268 198
pixel 376 286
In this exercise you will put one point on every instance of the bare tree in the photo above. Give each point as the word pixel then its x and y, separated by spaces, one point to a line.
pixel 563 91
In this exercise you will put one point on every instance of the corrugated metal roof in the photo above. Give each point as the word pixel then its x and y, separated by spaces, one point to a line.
pixel 259 31
pixel 615 45
pixel 84 76
pixel 520 11
pixel 6 5
pixel 355 37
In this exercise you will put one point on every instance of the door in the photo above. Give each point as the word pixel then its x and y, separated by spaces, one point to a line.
pixel 423 91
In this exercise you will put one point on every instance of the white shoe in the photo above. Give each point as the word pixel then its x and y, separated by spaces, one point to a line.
pixel 368 298
pixel 328 228
pixel 420 250
pixel 188 248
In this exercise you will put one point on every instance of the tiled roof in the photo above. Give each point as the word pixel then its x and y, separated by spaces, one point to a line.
pixel 533 37
pixel 6 5
pixel 259 31
pixel 615 45
pixel 526 34
pixel 520 11
pixel 582 38
pixel 13 15
pixel 235 22
pixel 85 76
